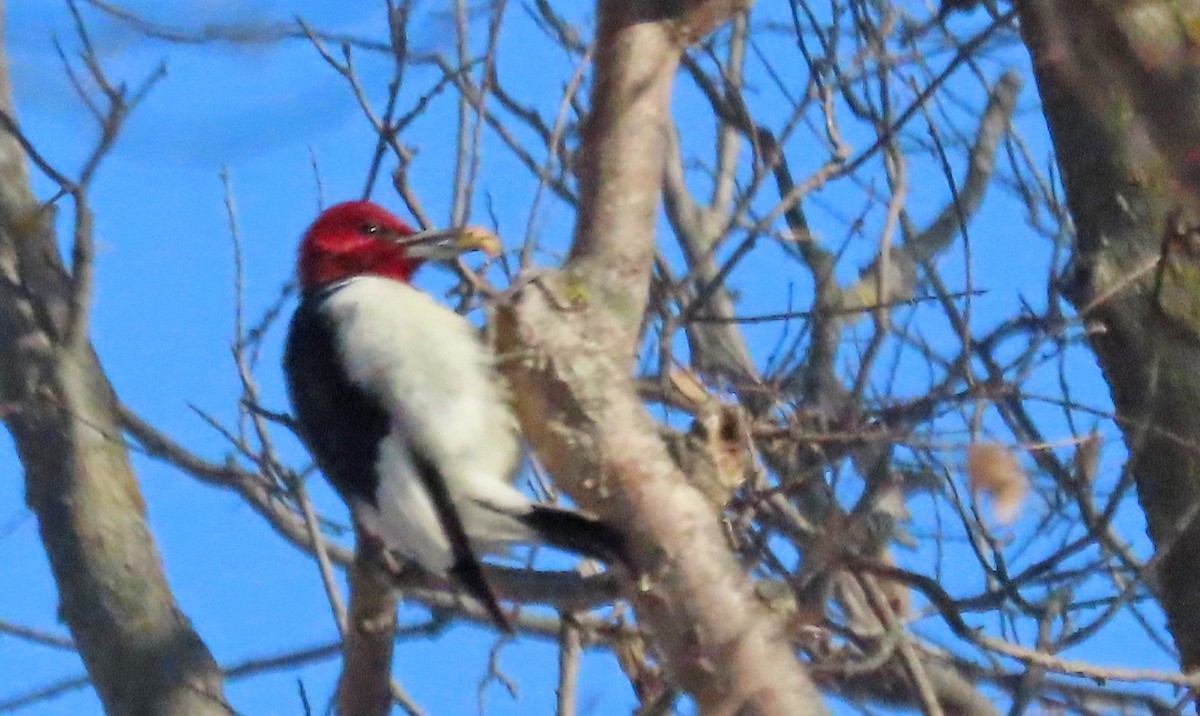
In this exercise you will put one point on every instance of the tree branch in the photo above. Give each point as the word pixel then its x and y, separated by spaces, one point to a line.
pixel 566 342
pixel 140 650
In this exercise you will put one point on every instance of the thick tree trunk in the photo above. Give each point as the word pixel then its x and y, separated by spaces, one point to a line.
pixel 1120 85
pixel 567 344
pixel 140 651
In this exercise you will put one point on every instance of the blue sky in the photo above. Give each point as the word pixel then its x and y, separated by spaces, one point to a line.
pixel 163 317
pixel 163 321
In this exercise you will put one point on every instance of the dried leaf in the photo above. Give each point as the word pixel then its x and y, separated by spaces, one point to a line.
pixel 644 675
pixel 898 595
pixel 689 386
pixel 1087 458
pixel 717 454
pixel 994 470
pixel 729 443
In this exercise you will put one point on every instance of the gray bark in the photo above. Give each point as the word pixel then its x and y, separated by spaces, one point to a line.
pixel 567 343
pixel 140 651
pixel 1120 87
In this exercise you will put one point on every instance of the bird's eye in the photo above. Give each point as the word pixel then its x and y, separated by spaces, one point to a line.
pixel 369 229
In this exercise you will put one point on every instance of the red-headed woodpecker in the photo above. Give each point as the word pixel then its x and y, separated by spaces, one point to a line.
pixel 400 405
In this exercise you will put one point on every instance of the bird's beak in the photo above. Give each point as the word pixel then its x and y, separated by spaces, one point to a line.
pixel 446 244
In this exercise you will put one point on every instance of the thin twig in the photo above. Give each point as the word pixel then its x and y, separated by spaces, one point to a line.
pixel 36 636
pixel 569 651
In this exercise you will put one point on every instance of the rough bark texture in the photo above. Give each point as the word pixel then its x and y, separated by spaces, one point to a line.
pixel 1120 84
pixel 140 650
pixel 364 688
pixel 567 342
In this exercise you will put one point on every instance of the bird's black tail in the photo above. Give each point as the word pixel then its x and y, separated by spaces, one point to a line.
pixel 467 568
pixel 469 573
pixel 574 532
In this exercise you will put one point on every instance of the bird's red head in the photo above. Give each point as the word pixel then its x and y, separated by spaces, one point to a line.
pixel 355 238
pixel 358 238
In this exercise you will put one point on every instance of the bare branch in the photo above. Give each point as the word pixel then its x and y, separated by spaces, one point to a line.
pixel 569 651
pixel 364 687
pixel 35 636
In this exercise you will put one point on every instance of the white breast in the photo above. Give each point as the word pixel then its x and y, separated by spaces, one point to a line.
pixel 426 365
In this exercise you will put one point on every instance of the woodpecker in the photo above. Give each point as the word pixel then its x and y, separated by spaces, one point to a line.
pixel 399 403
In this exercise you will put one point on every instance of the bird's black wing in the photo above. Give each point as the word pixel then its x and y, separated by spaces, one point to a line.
pixel 342 424
pixel 575 532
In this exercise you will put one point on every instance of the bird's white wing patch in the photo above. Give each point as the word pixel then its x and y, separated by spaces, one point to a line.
pixel 405 518
pixel 426 365
pixel 408 523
